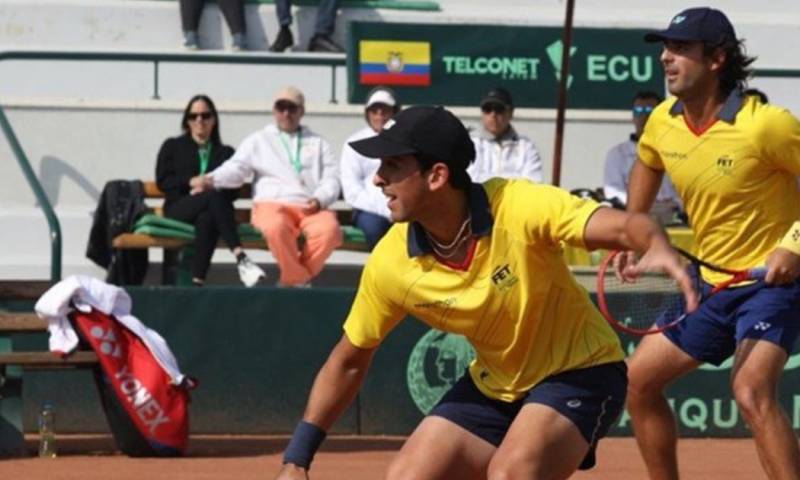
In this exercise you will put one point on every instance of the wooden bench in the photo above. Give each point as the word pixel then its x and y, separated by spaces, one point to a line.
pixel 12 363
pixel 171 246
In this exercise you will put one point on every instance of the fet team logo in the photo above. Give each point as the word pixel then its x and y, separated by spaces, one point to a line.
pixel 678 19
pixel 725 165
pixel 437 361
pixel 503 278
pixel 108 341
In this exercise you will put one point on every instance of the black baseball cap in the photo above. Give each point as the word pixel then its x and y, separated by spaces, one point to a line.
pixel 498 95
pixel 701 24
pixel 421 130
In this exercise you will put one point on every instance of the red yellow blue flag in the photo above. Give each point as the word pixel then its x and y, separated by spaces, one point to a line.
pixel 385 62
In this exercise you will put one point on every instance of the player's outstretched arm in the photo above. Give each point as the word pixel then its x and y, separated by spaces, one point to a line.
pixel 615 230
pixel 335 387
pixel 643 185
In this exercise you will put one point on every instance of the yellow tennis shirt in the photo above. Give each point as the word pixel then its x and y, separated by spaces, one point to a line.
pixel 516 302
pixel 737 179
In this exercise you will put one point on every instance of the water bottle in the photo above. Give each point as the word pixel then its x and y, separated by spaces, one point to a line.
pixel 47 431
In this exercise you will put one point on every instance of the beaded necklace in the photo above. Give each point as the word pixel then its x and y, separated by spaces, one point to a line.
pixel 447 251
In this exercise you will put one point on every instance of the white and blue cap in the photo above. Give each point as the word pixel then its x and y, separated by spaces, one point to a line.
pixel 702 24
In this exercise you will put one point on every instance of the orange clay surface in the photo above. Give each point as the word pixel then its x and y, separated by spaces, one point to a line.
pixel 341 458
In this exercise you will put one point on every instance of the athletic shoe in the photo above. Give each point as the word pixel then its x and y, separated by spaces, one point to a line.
pixel 323 43
pixel 249 272
pixel 190 40
pixel 284 40
pixel 238 42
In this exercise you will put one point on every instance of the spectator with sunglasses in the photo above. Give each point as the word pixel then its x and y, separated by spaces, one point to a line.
pixel 370 212
pixel 621 157
pixel 295 179
pixel 198 151
pixel 499 150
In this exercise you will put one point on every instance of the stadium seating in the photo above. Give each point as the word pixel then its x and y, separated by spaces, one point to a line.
pixel 153 230
pixel 13 362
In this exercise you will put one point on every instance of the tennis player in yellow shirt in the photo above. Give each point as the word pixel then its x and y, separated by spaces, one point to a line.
pixel 734 162
pixel 485 261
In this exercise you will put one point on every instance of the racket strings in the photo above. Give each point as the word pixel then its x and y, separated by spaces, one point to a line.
pixel 636 305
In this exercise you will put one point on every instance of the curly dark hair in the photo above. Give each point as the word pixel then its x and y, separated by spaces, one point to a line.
pixel 736 69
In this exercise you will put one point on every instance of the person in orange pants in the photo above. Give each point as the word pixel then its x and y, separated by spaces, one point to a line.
pixel 295 178
pixel 281 224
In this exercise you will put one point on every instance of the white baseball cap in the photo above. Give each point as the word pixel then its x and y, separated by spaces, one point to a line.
pixel 381 96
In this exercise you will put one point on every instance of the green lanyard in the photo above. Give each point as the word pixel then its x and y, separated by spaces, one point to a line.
pixel 295 159
pixel 204 153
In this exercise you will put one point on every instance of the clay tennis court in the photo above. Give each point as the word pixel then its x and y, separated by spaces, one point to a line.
pixel 341 458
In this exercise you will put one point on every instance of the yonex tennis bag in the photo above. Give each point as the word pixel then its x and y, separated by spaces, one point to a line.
pixel 147 413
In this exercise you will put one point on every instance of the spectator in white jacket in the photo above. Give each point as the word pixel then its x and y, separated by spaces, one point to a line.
pixel 295 178
pixel 370 212
pixel 499 150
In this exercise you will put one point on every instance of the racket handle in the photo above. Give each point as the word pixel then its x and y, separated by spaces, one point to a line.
pixel 758 273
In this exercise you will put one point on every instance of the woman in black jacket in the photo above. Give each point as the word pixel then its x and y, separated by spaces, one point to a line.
pixel 198 151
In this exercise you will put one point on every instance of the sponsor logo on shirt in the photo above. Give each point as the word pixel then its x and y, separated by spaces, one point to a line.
pixel 447 302
pixel 674 155
pixel 503 278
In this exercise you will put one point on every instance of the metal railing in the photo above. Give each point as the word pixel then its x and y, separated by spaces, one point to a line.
pixel 38 191
pixel 156 58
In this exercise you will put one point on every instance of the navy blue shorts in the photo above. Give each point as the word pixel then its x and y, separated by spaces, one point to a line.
pixel 758 311
pixel 591 398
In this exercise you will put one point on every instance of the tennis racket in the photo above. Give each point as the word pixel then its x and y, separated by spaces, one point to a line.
pixel 633 307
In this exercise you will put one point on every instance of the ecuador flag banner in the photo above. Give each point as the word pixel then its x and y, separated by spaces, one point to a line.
pixel 395 63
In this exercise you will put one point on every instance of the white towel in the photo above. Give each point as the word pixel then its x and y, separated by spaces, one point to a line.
pixel 87 293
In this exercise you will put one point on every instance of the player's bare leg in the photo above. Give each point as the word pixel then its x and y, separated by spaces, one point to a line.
pixel 441 450
pixel 755 376
pixel 554 452
pixel 654 365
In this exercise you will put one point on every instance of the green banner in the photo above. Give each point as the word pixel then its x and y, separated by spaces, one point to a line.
pixel 256 353
pixel 455 64
pixel 702 401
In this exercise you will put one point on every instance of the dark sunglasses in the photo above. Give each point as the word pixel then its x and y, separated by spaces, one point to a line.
pixel 204 115
pixel 641 110
pixel 286 107
pixel 493 107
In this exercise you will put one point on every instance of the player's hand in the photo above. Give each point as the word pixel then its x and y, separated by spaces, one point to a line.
pixel 665 259
pixel 291 471
pixel 311 207
pixel 783 266
pixel 624 264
